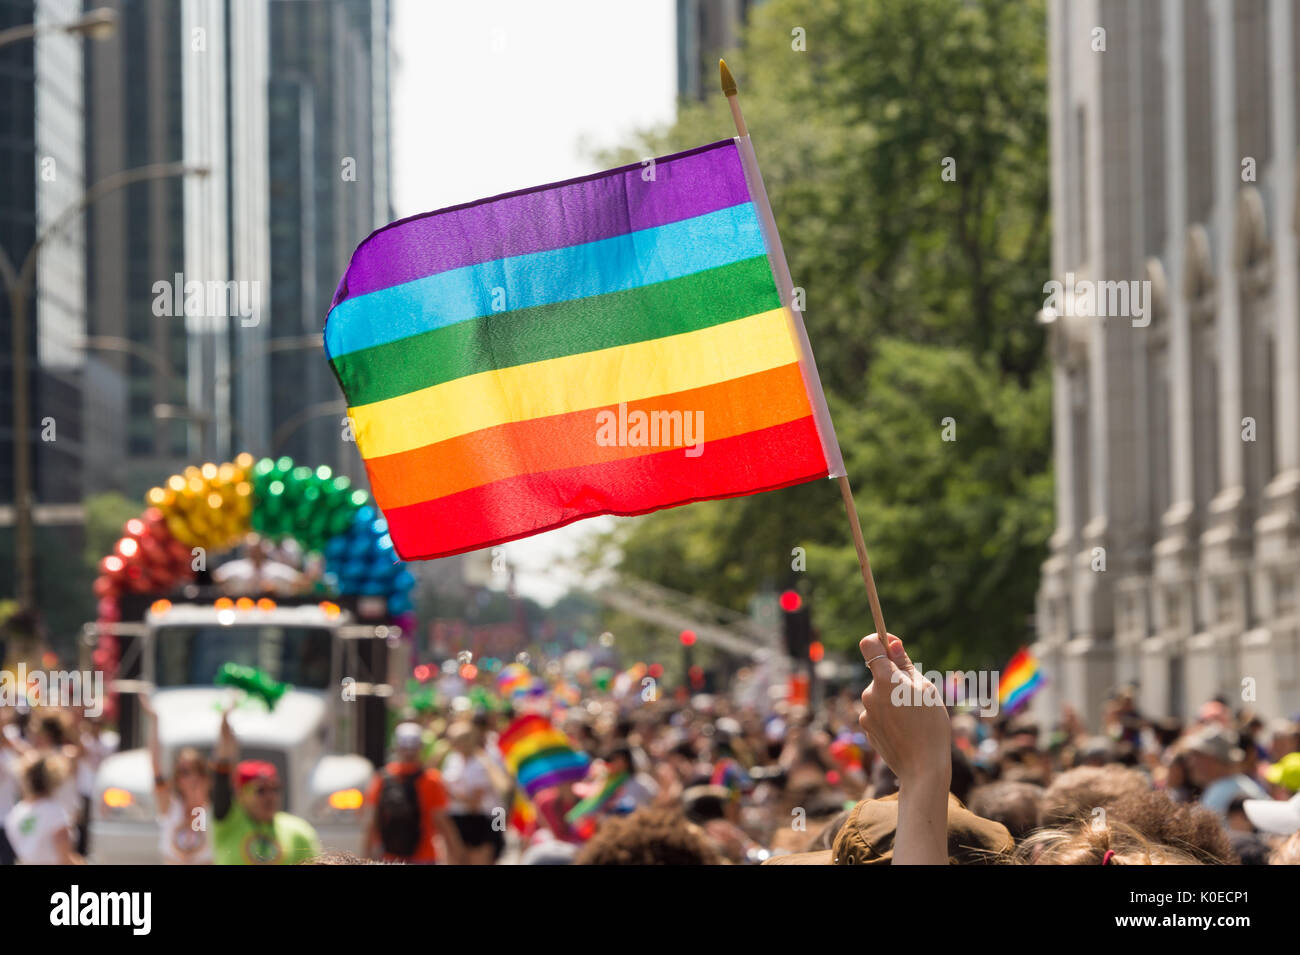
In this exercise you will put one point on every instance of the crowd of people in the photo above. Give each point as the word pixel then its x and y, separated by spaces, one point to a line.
pixel 856 779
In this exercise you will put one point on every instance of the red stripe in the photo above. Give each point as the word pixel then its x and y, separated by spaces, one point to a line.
pixel 506 510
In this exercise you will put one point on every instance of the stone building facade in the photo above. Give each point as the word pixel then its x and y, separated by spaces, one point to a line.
pixel 1175 564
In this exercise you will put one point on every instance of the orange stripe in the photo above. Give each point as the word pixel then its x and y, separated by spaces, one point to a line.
pixel 730 408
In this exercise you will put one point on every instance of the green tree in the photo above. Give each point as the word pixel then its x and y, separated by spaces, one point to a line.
pixel 905 154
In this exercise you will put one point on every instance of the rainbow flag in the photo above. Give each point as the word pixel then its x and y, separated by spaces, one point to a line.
pixel 613 344
pixel 540 756
pixel 513 678
pixel 523 817
pixel 1020 680
pixel 597 800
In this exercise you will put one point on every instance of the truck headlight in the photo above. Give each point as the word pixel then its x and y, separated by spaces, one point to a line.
pixel 340 806
pixel 121 804
pixel 346 799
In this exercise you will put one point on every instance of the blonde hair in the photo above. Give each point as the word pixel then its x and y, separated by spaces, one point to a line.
pixel 41 774
pixel 1082 844
pixel 1288 853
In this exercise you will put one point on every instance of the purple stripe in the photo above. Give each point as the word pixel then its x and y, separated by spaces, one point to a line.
pixel 570 774
pixel 599 206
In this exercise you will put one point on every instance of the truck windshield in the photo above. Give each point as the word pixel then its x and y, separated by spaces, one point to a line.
pixel 191 656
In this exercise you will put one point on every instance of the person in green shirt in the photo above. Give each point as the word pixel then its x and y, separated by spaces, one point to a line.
pixel 248 827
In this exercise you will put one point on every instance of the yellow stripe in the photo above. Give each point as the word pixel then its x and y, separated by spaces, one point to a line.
pixel 562 385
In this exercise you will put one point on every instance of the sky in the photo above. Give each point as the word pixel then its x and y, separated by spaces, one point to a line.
pixel 495 95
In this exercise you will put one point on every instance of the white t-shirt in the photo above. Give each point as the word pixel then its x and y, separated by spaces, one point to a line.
pixel 31 828
pixel 462 777
pixel 10 791
pixel 179 843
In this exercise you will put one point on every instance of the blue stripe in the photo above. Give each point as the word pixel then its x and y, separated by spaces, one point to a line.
pixel 532 768
pixel 542 278
pixel 1021 693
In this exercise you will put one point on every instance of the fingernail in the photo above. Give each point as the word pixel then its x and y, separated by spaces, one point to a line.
pixel 895 646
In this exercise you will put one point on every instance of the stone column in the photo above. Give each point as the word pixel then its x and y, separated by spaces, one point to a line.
pixel 1225 546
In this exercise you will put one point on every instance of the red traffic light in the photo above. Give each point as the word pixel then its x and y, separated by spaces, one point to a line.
pixel 688 638
pixel 816 651
pixel 791 601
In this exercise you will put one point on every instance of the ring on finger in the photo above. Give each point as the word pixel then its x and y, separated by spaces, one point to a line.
pixel 878 656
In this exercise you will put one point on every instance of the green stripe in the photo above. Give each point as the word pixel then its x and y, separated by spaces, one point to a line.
pixel 507 339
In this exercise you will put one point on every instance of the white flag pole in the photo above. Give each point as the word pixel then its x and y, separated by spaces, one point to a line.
pixel 812 381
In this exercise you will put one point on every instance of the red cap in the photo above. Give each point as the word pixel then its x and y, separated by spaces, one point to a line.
pixel 253 769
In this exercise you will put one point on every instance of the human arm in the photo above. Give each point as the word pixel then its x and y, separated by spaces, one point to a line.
pixel 907 724
pixel 161 792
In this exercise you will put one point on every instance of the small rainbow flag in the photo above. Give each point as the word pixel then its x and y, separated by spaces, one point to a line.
pixel 540 756
pixel 1021 679
pixel 597 800
pixel 523 817
pixel 513 678
pixel 613 344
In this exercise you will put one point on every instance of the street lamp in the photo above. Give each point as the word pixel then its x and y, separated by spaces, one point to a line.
pixel 98 24
pixel 18 285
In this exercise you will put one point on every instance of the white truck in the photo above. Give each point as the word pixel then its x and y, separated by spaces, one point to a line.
pixel 324 735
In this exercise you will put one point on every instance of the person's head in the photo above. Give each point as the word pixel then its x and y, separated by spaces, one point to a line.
pixel 190 780
pixel 963 775
pixel 619 759
pixel 705 803
pixel 1284 737
pixel 1016 805
pixel 1288 853
pixel 51 729
pixel 463 738
pixel 1236 817
pixel 1212 754
pixel 649 836
pixel 40 774
pixel 1187 827
pixel 408 739
pixel 258 789
pixel 1076 793
pixel 1082 843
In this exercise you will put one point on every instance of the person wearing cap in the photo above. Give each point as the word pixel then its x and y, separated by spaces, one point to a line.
pixel 1277 816
pixel 1214 757
pixel 249 827
pixel 408 804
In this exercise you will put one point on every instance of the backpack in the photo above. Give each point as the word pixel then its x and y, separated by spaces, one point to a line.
pixel 397 814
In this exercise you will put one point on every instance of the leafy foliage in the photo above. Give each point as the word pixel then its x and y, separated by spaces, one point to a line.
pixel 921 293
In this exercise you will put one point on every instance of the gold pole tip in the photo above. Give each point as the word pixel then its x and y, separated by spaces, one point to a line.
pixel 728 81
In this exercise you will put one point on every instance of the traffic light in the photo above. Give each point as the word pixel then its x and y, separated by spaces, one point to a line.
pixel 688 638
pixel 797 625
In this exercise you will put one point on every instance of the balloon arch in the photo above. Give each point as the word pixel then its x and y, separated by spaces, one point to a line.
pixel 210 509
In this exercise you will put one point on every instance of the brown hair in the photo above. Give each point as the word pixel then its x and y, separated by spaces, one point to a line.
pixel 1017 805
pixel 42 774
pixel 1193 829
pixel 187 755
pixel 55 724
pixel 1084 844
pixel 649 836
pixel 1076 793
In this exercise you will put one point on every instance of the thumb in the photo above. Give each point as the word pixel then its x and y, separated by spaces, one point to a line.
pixel 894 647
